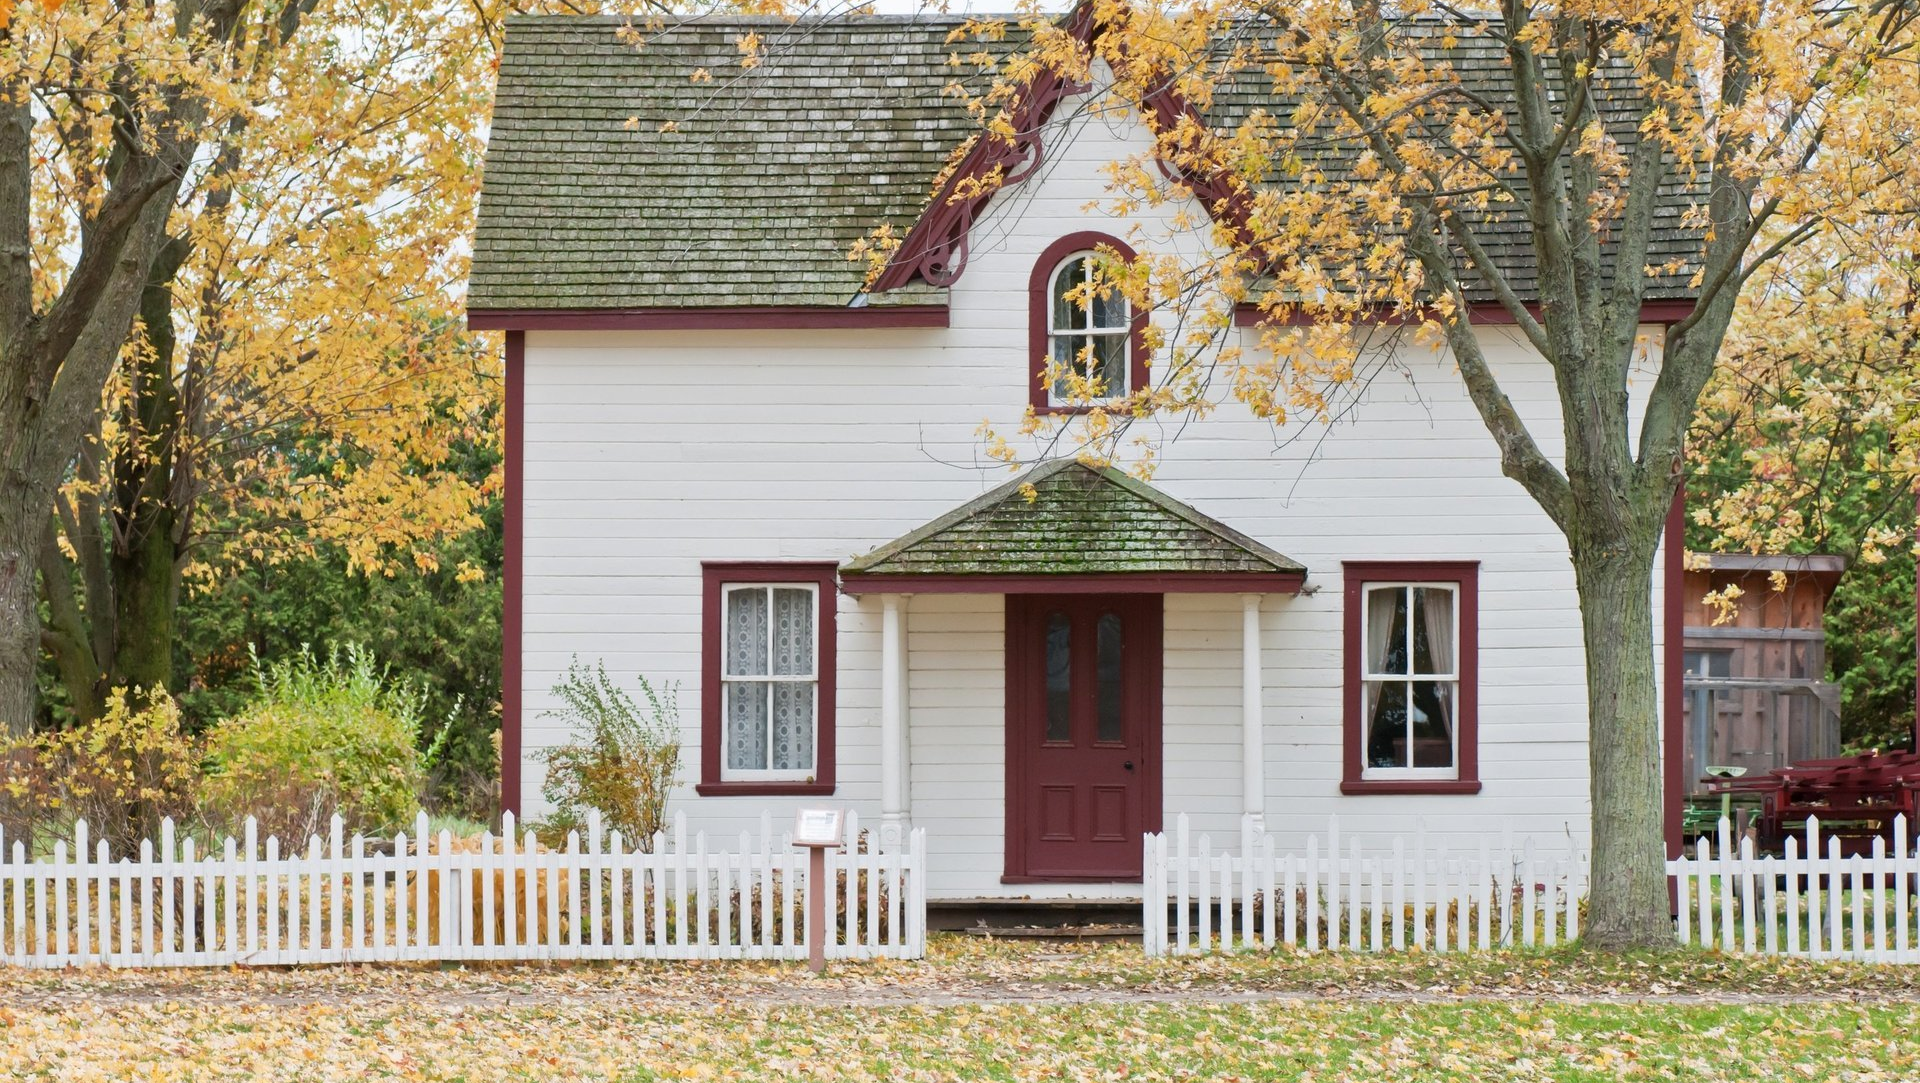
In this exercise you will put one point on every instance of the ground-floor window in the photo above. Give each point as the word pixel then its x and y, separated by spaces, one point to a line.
pixel 1410 659
pixel 767 674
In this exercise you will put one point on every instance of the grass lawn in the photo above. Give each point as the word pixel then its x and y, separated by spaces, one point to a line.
pixel 978 1011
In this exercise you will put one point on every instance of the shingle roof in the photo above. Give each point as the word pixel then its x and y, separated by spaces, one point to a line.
pixel 772 173
pixel 1480 63
pixel 1080 521
pixel 771 176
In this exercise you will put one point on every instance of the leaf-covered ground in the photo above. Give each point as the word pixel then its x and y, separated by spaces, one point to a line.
pixel 983 1011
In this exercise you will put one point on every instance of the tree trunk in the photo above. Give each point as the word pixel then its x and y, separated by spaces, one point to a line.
pixel 1629 891
pixel 19 615
pixel 145 548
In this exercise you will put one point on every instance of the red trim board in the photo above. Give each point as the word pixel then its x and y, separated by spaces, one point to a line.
pixel 512 547
pixel 1487 313
pixel 1090 583
pixel 1673 662
pixel 738 318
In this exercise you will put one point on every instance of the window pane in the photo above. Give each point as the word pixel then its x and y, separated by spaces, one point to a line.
pixel 1059 678
pixel 793 726
pixel 1065 352
pixel 1107 652
pixel 1433 723
pixel 1386 629
pixel 1110 363
pixel 1071 276
pixel 1433 630
pixel 1110 312
pixel 746 726
pixel 746 633
pixel 1386 724
pixel 792 632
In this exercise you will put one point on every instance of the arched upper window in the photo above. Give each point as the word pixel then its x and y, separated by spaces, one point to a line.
pixel 1078 330
pixel 1087 332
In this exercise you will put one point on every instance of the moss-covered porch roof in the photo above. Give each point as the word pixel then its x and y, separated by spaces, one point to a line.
pixel 1097 528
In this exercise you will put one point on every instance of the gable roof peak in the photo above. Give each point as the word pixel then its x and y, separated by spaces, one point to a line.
pixel 1079 520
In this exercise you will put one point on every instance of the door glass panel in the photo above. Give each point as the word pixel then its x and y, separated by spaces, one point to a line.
pixel 1107 646
pixel 1059 677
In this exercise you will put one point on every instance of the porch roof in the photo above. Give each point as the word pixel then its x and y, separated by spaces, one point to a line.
pixel 1083 530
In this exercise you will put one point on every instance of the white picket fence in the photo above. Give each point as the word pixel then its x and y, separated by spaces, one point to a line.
pixel 1801 903
pixel 438 898
pixel 1339 895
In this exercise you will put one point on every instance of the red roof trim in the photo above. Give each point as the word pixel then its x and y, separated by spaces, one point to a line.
pixel 935 249
pixel 1662 312
pixel 736 318
pixel 1082 583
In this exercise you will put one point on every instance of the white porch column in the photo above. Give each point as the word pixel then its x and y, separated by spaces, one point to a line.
pixel 1253 759
pixel 893 712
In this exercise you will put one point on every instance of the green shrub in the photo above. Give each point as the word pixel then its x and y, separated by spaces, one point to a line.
pixel 320 738
pixel 621 761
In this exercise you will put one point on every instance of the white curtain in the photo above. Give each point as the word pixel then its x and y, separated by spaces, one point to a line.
pixel 1382 604
pixel 1436 611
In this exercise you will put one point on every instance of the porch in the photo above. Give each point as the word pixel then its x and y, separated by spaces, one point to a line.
pixel 1027 641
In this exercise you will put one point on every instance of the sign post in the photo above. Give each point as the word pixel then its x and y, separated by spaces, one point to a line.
pixel 818 830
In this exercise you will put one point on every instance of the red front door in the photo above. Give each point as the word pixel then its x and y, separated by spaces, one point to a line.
pixel 1083 734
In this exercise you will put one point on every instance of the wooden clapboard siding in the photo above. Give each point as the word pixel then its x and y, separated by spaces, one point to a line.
pixel 649 452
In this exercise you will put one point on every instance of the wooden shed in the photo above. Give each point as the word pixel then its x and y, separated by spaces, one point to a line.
pixel 1757 696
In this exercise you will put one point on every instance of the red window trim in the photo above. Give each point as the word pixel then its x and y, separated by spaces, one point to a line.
pixel 1040 310
pixel 1466 575
pixel 715 575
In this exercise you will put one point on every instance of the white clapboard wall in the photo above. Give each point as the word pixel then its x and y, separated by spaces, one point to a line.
pixel 425 897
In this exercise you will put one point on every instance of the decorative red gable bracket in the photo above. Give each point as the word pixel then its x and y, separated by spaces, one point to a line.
pixel 935 249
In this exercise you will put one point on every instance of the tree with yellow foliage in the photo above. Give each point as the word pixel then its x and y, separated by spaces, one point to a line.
pixel 107 106
pixel 1386 178
pixel 298 372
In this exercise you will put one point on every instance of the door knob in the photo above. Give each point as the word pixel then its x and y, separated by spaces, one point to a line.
pixel 1128 765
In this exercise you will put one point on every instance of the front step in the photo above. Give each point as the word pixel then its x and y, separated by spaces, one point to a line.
pixel 1075 933
pixel 967 915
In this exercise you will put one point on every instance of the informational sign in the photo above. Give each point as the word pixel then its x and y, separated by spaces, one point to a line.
pixel 819 827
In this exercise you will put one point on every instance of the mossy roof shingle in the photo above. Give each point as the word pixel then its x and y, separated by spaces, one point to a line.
pixel 770 176
pixel 772 173
pixel 1080 521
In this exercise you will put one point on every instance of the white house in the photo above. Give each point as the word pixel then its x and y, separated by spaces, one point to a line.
pixel 732 466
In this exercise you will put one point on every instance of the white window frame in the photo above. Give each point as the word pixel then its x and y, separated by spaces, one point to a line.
pixel 1124 331
pixel 1367 676
pixel 736 774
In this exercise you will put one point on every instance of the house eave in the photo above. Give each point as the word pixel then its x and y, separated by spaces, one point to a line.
pixel 1486 313
pixel 858 583
pixel 726 318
